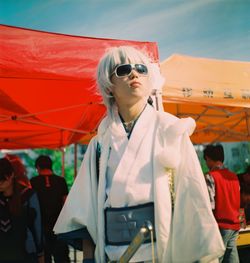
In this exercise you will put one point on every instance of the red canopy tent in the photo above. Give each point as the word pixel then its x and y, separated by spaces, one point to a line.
pixel 48 95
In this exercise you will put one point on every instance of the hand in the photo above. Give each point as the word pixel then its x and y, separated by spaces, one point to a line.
pixel 41 259
pixel 88 248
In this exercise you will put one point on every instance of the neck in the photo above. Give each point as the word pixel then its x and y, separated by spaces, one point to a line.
pixel 45 172
pixel 216 166
pixel 130 113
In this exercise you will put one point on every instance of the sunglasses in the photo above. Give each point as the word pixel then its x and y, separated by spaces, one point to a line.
pixel 126 69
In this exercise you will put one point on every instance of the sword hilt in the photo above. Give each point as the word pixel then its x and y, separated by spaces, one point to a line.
pixel 137 241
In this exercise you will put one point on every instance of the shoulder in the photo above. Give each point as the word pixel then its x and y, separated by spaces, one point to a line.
pixel 232 174
pixel 27 194
pixel 35 179
pixel 103 126
pixel 175 125
pixel 220 174
pixel 36 182
pixel 59 178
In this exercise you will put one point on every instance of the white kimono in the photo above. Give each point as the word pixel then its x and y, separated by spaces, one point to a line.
pixel 159 141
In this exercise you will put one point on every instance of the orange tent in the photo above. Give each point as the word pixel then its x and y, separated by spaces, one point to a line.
pixel 48 93
pixel 216 93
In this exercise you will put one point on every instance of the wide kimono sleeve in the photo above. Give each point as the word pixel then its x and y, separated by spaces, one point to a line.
pixel 194 235
pixel 80 208
pixel 195 230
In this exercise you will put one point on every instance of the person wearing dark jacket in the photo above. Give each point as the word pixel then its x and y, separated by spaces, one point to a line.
pixel 52 191
pixel 21 239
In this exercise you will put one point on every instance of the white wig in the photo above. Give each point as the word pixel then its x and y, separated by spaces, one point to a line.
pixel 111 59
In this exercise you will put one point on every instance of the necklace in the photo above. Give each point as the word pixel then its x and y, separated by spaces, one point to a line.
pixel 129 125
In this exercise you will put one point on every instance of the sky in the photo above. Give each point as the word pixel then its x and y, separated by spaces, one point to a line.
pixel 202 28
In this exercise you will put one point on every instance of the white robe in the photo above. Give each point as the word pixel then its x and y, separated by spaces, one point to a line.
pixel 191 232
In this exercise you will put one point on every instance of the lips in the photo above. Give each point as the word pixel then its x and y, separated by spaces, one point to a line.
pixel 135 84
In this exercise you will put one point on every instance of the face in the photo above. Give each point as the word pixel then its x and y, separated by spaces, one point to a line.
pixel 130 88
pixel 209 162
pixel 6 184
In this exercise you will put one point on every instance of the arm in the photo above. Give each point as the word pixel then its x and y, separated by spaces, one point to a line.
pixel 80 209
pixel 65 191
pixel 36 226
pixel 192 203
pixel 88 248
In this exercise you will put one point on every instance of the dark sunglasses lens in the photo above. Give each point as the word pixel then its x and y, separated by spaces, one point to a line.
pixel 142 69
pixel 123 70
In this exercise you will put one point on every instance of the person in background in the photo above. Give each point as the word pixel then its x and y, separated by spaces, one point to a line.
pixel 245 193
pixel 140 166
pixel 224 190
pixel 21 238
pixel 19 169
pixel 52 191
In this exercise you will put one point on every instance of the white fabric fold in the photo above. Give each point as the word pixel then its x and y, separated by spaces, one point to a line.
pixel 133 170
pixel 191 233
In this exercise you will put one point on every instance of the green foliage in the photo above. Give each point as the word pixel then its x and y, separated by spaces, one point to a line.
pixel 204 166
pixel 69 176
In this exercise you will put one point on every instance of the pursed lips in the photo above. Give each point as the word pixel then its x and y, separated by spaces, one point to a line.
pixel 135 83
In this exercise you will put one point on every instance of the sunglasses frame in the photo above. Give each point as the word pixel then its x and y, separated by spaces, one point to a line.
pixel 133 67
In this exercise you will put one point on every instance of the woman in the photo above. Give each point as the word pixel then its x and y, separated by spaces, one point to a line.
pixel 20 221
pixel 141 152
pixel 19 169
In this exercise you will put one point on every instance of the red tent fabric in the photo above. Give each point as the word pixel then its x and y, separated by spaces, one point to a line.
pixel 48 95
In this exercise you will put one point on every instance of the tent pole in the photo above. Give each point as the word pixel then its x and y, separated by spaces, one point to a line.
pixel 248 121
pixel 157 95
pixel 63 161
pixel 75 160
pixel 75 173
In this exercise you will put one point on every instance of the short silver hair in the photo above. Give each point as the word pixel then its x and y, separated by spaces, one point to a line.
pixel 111 59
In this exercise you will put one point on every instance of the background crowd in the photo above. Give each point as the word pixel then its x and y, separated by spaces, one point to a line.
pixel 29 208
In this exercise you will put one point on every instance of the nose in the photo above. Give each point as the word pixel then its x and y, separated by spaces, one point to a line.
pixel 133 74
